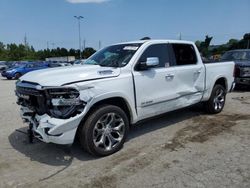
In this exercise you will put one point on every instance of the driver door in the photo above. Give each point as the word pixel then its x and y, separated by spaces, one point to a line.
pixel 155 87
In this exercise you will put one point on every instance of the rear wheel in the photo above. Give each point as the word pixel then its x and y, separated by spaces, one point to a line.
pixel 105 130
pixel 217 100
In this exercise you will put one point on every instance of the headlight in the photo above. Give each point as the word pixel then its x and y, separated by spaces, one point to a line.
pixel 64 102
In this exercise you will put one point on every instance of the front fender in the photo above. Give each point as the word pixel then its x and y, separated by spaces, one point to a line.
pixel 91 98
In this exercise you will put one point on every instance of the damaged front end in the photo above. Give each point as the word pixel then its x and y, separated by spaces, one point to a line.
pixel 53 113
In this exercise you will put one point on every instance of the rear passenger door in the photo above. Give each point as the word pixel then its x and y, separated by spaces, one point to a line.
pixel 190 74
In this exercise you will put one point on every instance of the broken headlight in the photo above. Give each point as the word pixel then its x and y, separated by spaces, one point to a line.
pixel 64 102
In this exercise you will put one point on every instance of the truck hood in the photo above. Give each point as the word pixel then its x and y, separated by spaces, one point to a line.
pixel 69 75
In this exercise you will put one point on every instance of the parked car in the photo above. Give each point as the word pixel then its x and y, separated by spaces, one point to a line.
pixel 58 63
pixel 242 65
pixel 64 63
pixel 79 62
pixel 3 66
pixel 117 87
pixel 18 70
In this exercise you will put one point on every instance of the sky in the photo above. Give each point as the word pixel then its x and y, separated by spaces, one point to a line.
pixel 52 22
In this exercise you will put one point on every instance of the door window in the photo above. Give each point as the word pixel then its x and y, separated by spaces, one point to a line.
pixel 157 50
pixel 184 54
pixel 30 65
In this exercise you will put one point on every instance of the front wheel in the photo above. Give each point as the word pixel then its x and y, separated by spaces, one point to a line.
pixel 105 130
pixel 17 75
pixel 217 100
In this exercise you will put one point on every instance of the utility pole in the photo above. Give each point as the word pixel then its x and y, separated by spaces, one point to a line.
pixel 100 44
pixel 84 44
pixel 180 37
pixel 53 45
pixel 47 45
pixel 83 48
pixel 79 29
pixel 25 40
pixel 26 45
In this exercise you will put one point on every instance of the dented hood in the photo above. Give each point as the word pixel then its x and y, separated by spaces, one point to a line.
pixel 68 75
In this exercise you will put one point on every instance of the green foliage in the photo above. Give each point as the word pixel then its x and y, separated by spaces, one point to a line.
pixel 203 46
pixel 206 50
pixel 13 52
pixel 88 52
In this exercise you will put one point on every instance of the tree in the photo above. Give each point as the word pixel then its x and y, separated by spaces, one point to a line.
pixel 88 52
pixel 72 52
pixel 198 43
pixel 2 51
pixel 247 38
pixel 145 38
pixel 203 46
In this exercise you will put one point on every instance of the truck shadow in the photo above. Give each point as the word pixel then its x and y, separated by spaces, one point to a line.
pixel 5 79
pixel 61 155
pixel 241 89
pixel 164 120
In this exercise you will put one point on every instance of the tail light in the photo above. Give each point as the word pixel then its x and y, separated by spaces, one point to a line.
pixel 236 71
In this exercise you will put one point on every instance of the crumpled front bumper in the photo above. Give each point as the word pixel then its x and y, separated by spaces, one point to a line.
pixel 52 130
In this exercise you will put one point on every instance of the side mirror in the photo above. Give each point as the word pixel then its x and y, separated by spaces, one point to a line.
pixel 152 62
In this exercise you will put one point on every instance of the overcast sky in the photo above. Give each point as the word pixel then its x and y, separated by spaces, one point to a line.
pixel 112 21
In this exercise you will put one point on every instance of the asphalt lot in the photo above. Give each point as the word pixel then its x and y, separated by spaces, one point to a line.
pixel 186 148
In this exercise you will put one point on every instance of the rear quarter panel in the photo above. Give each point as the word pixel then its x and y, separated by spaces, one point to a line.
pixel 215 71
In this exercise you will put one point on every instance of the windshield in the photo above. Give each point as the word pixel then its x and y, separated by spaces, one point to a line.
pixel 114 56
pixel 17 65
pixel 236 55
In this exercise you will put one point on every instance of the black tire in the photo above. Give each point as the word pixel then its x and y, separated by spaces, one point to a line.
pixel 97 130
pixel 9 78
pixel 217 100
pixel 17 75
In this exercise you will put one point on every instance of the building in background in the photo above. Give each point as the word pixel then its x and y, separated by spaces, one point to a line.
pixel 66 58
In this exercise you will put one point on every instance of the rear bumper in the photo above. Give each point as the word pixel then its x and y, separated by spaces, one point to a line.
pixel 242 81
pixel 52 130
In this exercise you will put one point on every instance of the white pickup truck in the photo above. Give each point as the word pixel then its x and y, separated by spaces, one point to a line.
pixel 117 87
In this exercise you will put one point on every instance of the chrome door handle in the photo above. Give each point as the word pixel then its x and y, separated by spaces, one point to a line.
pixel 198 71
pixel 170 76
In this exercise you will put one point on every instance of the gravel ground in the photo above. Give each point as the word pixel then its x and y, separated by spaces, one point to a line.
pixel 186 148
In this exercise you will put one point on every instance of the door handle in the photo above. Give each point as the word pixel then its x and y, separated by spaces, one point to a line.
pixel 198 71
pixel 169 76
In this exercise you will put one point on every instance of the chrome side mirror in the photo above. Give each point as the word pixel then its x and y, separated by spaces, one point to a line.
pixel 152 62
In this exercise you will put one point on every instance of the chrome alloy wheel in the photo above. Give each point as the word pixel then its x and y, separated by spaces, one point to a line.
pixel 219 99
pixel 108 131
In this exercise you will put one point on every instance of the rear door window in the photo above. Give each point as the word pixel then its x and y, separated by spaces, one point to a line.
pixel 184 54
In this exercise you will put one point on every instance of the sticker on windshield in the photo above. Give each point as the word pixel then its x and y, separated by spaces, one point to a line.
pixel 134 48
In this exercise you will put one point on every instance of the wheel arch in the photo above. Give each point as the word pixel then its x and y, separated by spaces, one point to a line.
pixel 114 100
pixel 222 81
pixel 17 72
